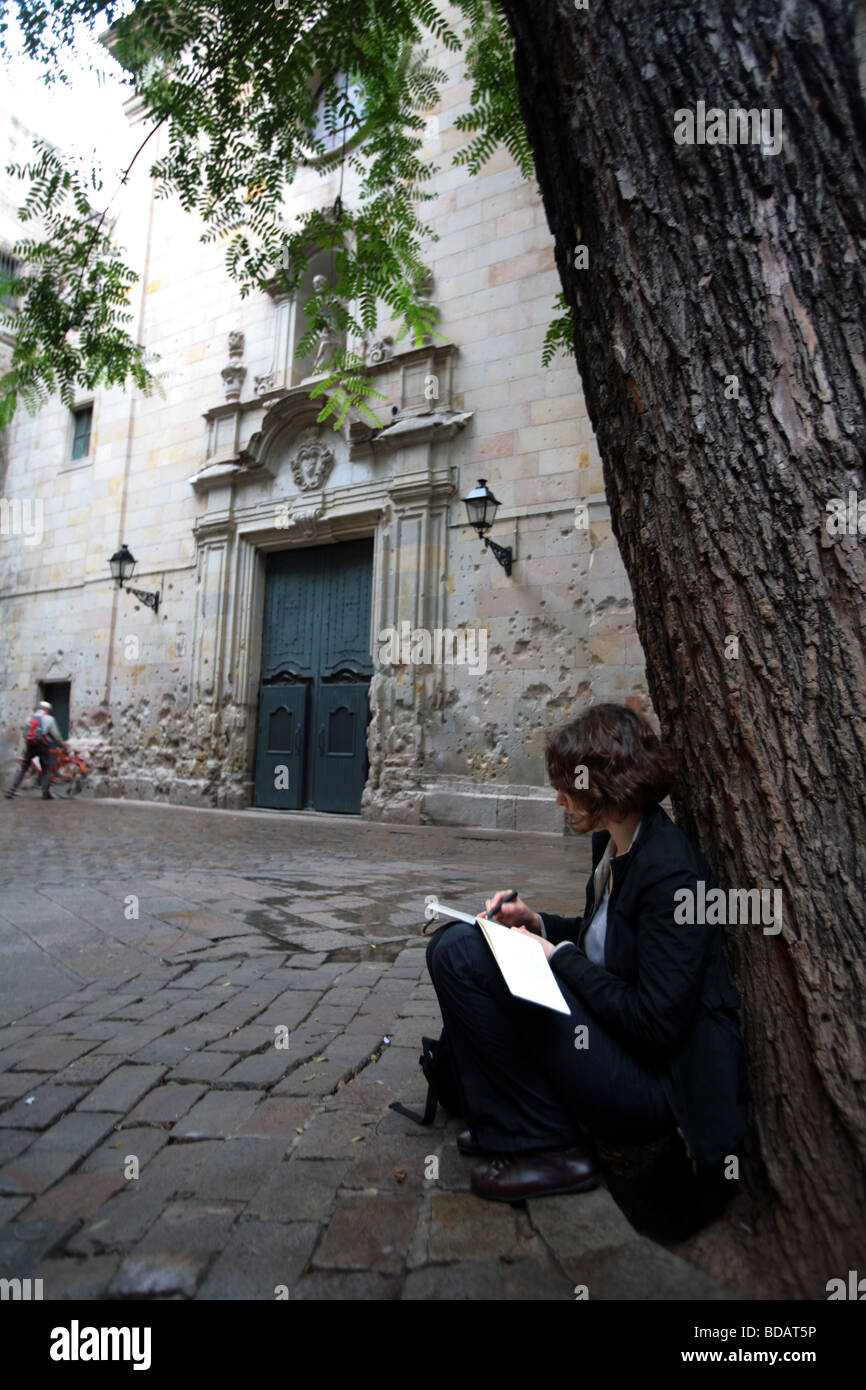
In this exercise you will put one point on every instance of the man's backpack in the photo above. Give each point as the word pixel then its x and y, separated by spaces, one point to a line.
pixel 443 1083
pixel 35 731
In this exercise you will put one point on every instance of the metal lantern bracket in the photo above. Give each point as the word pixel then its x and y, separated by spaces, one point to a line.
pixel 503 553
pixel 151 600
pixel 122 563
pixel 481 508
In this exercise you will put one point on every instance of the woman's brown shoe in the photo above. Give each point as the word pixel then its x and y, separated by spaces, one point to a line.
pixel 547 1174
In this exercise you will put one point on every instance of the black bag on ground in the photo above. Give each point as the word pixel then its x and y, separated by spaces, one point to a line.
pixel 443 1083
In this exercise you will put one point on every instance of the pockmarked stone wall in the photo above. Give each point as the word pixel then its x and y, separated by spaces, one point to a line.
pixel 201 480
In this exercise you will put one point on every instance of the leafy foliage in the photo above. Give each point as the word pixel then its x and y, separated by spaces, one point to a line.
pixel 495 113
pixel 560 333
pixel 251 96
pixel 73 293
pixel 347 382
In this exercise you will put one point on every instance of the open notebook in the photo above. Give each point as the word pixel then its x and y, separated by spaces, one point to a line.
pixel 523 964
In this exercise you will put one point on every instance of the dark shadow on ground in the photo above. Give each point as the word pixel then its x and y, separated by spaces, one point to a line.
pixel 656 1189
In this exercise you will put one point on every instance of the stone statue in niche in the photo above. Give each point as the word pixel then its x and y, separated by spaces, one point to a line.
pixel 330 339
pixel 311 466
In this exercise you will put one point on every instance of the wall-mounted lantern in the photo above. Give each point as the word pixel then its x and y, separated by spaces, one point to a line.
pixel 122 564
pixel 481 506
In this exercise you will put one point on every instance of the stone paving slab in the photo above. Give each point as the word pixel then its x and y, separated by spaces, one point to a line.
pixel 89 1069
pixel 17 1083
pixel 263 1171
pixel 126 1218
pixel 260 1070
pixel 300 1190
pixel 262 1260
pixel 276 1118
pixel 165 1104
pixel 368 1232
pixel 176 1251
pixel 238 1168
pixel 123 1088
pixel 77 1196
pixel 204 1066
pixel 78 1280
pixel 139 1142
pixel 218 1115
pixel 25 1244
pixel 49 1054
pixel 42 1106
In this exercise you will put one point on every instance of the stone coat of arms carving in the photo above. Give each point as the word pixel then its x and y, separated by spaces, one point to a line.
pixel 311 466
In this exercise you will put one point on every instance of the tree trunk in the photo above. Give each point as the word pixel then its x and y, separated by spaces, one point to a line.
pixel 709 262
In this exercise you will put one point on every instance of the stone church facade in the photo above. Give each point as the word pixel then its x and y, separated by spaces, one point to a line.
pixel 330 632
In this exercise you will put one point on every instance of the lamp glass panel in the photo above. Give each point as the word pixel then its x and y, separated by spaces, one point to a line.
pixel 481 506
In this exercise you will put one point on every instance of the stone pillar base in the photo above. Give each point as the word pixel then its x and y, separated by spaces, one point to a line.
pixel 397 808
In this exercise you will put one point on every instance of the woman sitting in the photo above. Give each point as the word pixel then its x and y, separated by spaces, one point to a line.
pixel 652 1044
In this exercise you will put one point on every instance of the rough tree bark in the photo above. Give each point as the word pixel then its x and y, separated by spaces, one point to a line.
pixel 707 262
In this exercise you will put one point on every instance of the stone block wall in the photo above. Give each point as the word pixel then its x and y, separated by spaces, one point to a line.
pixel 167 702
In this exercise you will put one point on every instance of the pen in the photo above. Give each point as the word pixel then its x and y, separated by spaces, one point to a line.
pixel 508 899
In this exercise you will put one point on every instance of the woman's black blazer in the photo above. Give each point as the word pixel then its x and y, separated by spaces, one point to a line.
pixel 664 989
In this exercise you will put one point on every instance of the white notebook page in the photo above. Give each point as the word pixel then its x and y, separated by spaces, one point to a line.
pixel 522 961
pixel 524 966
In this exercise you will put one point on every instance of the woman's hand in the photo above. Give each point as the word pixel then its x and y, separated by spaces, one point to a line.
pixel 513 914
pixel 547 946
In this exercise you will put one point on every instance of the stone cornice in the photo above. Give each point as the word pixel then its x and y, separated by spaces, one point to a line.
pixel 241 433
pixel 412 356
pixel 228 474
pixel 421 427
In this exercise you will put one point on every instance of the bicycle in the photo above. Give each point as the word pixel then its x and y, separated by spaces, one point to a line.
pixel 67 770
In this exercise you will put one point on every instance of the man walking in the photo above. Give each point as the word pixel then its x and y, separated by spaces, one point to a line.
pixel 41 737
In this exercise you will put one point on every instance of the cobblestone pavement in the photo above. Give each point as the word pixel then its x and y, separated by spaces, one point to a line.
pixel 154 958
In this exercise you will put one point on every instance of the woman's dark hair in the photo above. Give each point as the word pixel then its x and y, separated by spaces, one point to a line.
pixel 627 767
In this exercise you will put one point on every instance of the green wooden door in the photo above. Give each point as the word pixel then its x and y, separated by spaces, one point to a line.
pixel 316 644
pixel 279 754
pixel 341 746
